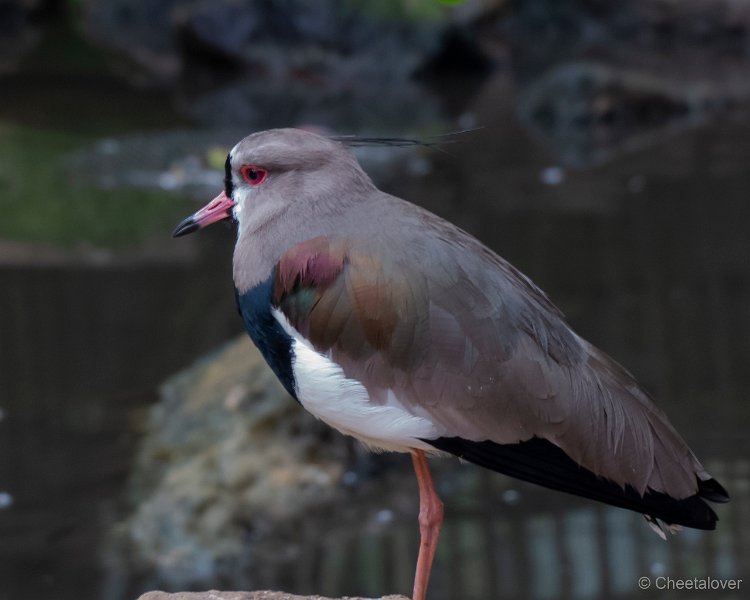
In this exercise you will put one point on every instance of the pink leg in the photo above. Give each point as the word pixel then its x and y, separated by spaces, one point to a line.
pixel 430 520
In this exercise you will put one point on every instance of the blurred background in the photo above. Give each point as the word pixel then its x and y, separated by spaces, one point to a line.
pixel 143 445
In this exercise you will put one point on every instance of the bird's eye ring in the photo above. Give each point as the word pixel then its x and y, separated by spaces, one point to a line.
pixel 253 175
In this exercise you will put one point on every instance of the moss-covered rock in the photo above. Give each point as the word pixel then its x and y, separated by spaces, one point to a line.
pixel 227 454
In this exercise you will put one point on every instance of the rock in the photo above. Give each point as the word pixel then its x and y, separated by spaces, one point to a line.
pixel 602 79
pixel 283 38
pixel 255 65
pixel 262 595
pixel 139 30
pixel 589 112
pixel 227 454
pixel 323 36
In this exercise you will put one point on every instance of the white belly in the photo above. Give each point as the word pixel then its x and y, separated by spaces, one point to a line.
pixel 344 404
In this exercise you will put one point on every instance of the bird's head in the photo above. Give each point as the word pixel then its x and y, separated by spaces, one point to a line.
pixel 269 172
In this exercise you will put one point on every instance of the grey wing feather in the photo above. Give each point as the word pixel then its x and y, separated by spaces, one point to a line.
pixel 491 358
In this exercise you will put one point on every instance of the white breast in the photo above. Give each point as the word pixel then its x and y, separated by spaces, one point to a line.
pixel 344 403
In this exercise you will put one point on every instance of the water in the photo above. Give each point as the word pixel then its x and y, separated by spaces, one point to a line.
pixel 646 250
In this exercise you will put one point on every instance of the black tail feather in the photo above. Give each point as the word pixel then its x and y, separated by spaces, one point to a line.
pixel 540 461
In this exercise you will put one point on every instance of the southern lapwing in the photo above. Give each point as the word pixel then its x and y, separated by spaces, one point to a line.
pixel 400 329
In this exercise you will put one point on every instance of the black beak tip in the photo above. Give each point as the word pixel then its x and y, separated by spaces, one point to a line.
pixel 189 225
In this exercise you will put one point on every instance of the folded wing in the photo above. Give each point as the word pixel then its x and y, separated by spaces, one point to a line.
pixel 460 336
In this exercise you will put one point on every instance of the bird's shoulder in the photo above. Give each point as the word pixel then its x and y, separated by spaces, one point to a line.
pixel 400 279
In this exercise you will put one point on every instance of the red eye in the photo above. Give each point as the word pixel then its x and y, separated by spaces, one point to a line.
pixel 253 175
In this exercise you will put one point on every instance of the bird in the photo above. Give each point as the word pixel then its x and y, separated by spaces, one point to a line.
pixel 398 328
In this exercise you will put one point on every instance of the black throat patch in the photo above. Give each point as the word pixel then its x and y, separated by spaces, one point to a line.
pixel 228 186
pixel 269 336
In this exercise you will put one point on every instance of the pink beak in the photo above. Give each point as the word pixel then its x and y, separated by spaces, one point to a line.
pixel 218 209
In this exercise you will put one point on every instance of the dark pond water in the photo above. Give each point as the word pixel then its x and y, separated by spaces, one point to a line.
pixel 644 246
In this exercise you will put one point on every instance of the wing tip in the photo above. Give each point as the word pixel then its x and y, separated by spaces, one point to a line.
pixel 712 490
pixel 538 461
